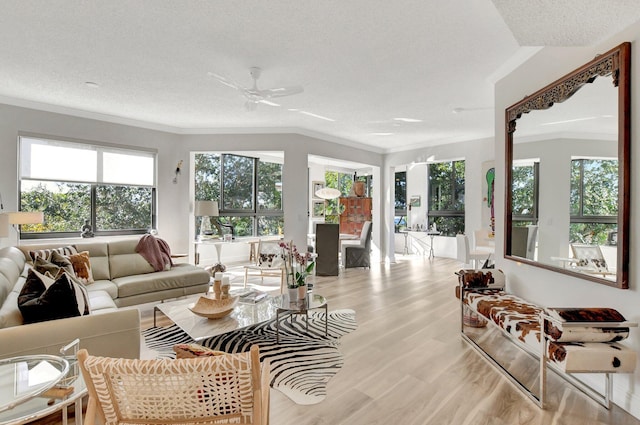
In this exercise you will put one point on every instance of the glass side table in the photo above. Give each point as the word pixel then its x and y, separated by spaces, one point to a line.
pixel 310 302
pixel 56 395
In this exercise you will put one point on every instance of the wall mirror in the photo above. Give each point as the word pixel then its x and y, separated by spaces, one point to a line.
pixel 567 173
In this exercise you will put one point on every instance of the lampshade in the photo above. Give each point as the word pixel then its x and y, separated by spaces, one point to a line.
pixel 26 217
pixel 206 209
pixel 328 193
pixel 4 225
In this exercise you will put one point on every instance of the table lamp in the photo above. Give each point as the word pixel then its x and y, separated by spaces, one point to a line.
pixel 206 209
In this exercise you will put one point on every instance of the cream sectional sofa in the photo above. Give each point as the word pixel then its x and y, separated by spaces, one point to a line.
pixel 122 278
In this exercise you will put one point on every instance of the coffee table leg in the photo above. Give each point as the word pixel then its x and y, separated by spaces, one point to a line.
pixel 155 310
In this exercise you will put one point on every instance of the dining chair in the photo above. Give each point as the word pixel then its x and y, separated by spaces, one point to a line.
pixel 224 389
pixel 358 253
pixel 467 256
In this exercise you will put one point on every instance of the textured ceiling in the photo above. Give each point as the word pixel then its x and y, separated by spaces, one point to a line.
pixel 362 63
pixel 566 22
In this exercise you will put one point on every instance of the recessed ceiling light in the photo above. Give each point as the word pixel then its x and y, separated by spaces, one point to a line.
pixel 381 134
pixel 91 84
pixel 407 119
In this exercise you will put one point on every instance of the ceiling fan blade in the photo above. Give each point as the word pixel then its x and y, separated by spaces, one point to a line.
pixel 226 81
pixel 281 91
pixel 268 102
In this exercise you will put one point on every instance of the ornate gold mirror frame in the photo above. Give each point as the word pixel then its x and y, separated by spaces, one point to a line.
pixel 615 64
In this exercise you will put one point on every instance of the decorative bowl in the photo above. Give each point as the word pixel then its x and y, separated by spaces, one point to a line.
pixel 212 308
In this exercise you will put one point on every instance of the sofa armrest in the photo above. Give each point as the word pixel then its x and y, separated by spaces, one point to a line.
pixel 113 334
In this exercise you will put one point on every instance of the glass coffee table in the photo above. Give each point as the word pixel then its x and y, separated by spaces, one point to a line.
pixel 243 315
pixel 199 328
pixel 310 302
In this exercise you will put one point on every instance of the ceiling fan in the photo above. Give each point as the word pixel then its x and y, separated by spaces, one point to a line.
pixel 254 95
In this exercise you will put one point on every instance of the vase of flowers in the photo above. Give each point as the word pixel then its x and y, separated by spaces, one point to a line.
pixel 297 268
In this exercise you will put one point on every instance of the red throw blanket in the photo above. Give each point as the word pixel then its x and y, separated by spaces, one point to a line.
pixel 156 251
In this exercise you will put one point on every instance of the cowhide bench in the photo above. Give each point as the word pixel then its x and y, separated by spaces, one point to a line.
pixel 576 340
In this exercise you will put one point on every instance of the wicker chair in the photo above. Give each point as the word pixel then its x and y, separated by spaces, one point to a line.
pixel 232 388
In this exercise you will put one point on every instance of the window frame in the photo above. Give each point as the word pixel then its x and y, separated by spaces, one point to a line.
pixel 254 213
pixel 455 189
pixel 100 148
pixel 581 217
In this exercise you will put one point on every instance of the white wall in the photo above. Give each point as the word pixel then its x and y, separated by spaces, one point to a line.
pixel 474 153
pixel 417 186
pixel 546 287
pixel 175 218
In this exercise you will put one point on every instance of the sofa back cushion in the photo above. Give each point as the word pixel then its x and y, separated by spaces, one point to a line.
pixel 12 264
pixel 125 261
pixel 98 257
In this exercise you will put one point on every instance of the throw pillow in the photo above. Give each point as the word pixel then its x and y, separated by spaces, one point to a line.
pixel 46 253
pixel 189 351
pixel 82 267
pixel 63 262
pixel 557 331
pixel 43 298
pixel 45 267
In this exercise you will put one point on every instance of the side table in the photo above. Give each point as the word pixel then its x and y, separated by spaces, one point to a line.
pixel 310 302
pixel 68 389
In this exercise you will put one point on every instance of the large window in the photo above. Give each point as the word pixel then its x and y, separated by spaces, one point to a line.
pixel 72 182
pixel 446 197
pixel 248 191
pixel 594 201
pixel 400 218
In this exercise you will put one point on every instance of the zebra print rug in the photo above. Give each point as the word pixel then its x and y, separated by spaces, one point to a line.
pixel 301 364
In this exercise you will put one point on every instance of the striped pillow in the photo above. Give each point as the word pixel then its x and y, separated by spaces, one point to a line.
pixel 45 254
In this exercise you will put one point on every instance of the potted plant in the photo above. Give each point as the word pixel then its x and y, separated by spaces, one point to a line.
pixel 297 268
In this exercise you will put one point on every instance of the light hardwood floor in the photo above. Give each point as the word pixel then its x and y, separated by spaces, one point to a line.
pixel 406 362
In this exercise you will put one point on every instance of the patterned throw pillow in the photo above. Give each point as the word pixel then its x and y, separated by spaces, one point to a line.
pixel 45 267
pixel 189 351
pixel 82 267
pixel 46 253
pixel 43 298
pixel 60 261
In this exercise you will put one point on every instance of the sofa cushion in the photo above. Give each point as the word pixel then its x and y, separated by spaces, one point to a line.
pixel 104 285
pixel 101 302
pixel 125 261
pixel 180 276
pixel 43 298
pixel 9 312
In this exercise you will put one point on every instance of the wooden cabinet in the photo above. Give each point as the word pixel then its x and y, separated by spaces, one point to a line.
pixel 357 210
